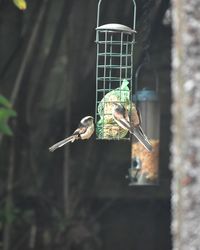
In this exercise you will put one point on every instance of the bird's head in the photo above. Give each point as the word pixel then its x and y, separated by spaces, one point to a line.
pixel 87 121
pixel 117 105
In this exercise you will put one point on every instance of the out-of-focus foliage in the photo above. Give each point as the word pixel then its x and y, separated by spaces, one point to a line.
pixel 21 4
pixel 9 215
pixel 6 112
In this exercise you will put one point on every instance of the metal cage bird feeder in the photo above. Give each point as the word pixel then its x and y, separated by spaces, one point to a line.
pixel 144 166
pixel 114 74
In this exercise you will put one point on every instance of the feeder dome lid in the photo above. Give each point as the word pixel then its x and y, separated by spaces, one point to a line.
pixel 116 27
pixel 145 95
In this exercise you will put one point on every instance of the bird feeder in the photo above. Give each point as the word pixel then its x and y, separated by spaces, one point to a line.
pixel 114 74
pixel 144 168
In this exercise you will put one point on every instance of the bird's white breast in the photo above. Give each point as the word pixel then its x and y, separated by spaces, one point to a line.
pixel 88 133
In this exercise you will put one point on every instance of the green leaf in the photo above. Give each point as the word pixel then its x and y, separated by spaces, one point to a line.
pixel 5 129
pixel 4 101
pixel 5 114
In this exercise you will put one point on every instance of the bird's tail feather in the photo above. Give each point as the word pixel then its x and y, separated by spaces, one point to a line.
pixel 63 142
pixel 143 139
pixel 142 132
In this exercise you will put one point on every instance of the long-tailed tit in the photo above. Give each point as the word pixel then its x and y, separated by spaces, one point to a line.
pixel 83 132
pixel 121 116
pixel 130 122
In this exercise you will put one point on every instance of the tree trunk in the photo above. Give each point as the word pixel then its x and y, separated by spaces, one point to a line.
pixel 185 161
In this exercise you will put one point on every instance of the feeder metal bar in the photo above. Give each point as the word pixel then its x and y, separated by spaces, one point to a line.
pixel 111 53
pixel 113 66
pixel 113 42
pixel 134 13
pixel 115 54
pixel 112 79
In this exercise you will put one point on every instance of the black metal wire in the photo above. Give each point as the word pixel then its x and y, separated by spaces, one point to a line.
pixel 147 24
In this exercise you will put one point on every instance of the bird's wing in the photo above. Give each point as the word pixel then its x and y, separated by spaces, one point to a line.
pixel 80 130
pixel 136 121
pixel 126 115
pixel 135 116
pixel 121 120
pixel 125 124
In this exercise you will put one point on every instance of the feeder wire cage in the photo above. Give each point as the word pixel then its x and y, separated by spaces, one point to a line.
pixel 114 74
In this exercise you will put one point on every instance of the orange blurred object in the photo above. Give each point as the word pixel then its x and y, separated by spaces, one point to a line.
pixel 149 160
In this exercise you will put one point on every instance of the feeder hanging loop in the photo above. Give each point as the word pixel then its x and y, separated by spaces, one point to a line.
pixel 134 13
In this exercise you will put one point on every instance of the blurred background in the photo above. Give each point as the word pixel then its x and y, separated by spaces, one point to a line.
pixel 77 197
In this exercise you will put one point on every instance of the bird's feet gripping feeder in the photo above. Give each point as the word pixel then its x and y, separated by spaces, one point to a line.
pixel 114 74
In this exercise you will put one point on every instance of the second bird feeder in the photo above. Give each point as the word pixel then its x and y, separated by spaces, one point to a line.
pixel 114 74
pixel 145 165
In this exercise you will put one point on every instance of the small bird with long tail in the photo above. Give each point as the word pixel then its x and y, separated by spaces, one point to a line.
pixel 130 122
pixel 83 132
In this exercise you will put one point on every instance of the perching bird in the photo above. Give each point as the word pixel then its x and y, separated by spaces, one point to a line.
pixel 131 122
pixel 83 132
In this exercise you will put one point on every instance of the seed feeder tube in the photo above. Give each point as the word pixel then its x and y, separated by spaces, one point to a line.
pixel 147 102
